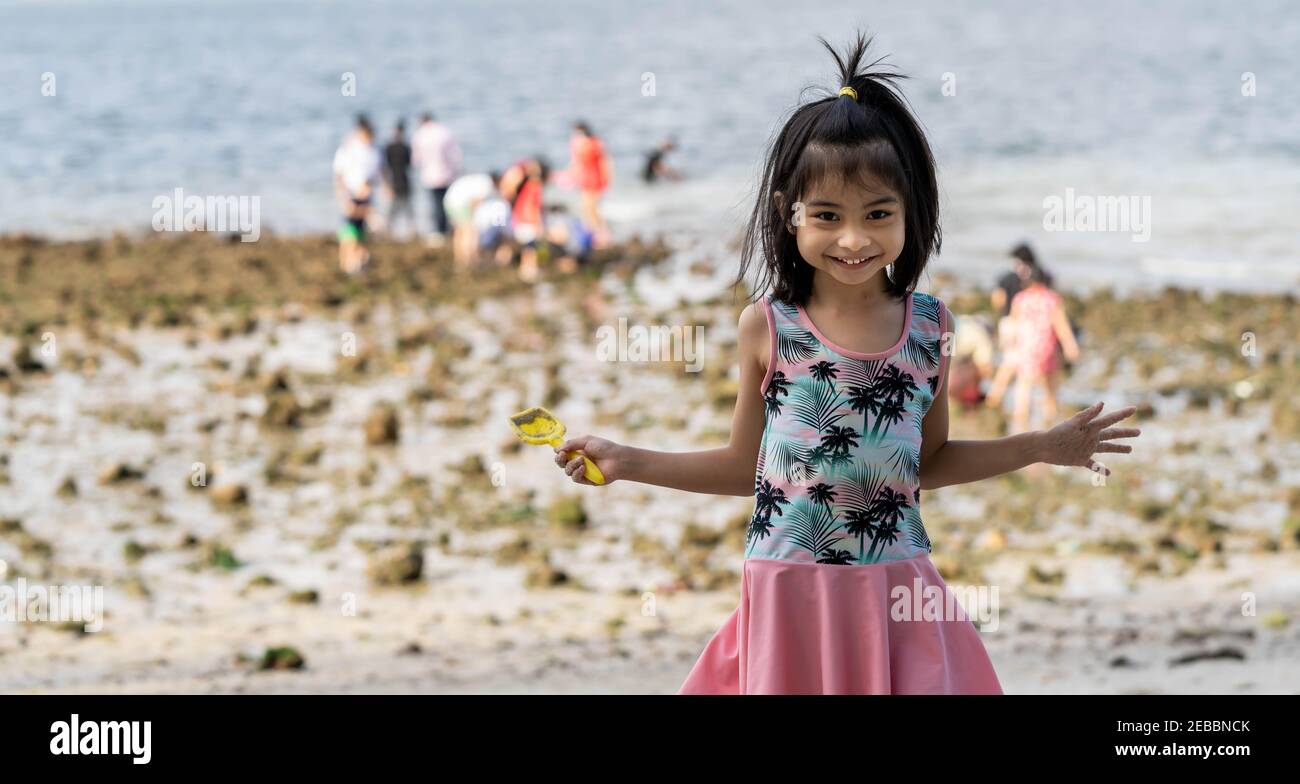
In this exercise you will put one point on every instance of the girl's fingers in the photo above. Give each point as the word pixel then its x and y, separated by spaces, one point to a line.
pixel 1085 416
pixel 573 465
pixel 572 444
pixel 1115 416
pixel 1119 432
pixel 1109 447
pixel 578 473
pixel 1094 409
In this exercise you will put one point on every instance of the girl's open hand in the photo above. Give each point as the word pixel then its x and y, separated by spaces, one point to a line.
pixel 1074 441
pixel 601 451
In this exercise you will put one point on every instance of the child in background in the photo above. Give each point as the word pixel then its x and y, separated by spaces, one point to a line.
pixel 526 210
pixel 356 170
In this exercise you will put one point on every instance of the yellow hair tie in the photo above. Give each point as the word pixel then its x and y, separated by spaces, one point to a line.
pixel 849 91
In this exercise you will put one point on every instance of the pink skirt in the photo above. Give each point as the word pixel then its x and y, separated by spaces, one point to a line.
pixel 807 628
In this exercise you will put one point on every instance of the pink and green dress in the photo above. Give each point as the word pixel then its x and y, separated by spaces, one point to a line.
pixel 836 542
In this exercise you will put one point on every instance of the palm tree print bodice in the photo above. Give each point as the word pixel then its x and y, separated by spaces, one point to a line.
pixel 837 480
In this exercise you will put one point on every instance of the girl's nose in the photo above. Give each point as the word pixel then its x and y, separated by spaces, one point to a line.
pixel 853 241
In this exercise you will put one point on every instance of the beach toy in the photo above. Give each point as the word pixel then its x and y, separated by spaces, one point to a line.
pixel 536 425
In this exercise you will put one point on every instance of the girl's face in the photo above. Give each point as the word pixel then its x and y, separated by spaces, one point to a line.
pixel 851 232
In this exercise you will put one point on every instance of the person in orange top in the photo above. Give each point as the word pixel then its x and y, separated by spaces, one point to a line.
pixel 592 172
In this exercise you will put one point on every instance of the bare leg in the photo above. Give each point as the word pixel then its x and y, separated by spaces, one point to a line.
pixel 358 256
pixel 463 241
pixel 1000 381
pixel 1024 393
pixel 1050 383
pixel 349 255
pixel 591 215
pixel 528 265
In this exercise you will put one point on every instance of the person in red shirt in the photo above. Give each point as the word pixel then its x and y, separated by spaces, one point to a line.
pixel 522 185
pixel 591 172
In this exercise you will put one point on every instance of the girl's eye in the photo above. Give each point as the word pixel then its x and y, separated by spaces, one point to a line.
pixel 825 216
pixel 878 215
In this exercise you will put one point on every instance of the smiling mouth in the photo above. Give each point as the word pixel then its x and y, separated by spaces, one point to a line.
pixel 853 262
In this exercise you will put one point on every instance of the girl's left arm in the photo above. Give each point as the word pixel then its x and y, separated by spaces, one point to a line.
pixel 1072 442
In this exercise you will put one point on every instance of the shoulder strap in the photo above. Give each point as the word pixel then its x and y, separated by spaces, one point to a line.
pixel 927 313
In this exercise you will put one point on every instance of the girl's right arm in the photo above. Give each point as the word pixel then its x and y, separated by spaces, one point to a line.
pixel 725 471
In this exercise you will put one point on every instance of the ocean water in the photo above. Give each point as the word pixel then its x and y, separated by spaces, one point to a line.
pixel 1103 99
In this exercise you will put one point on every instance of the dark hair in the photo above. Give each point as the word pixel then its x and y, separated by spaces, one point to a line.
pixel 872 136
pixel 1025 254
pixel 582 127
pixel 363 123
pixel 400 126
pixel 426 117
pixel 1037 272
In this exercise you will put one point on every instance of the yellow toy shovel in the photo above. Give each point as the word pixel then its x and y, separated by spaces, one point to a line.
pixel 536 425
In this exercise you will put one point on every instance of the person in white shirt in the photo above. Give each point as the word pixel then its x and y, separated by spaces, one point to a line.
pixel 438 159
pixel 356 170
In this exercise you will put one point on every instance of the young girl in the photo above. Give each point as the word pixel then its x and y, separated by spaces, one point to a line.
pixel 842 419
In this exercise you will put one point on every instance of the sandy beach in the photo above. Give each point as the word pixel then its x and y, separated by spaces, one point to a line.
pixel 366 521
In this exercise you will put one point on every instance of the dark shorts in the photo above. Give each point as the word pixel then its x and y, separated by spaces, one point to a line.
pixel 353 229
